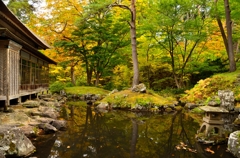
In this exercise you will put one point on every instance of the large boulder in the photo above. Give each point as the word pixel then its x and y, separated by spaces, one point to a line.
pixel 233 143
pixel 43 119
pixel 191 105
pixel 48 112
pixel 31 104
pixel 227 99
pixel 47 128
pixel 14 142
pixel 103 105
pixel 139 88
pixel 14 119
pixel 59 124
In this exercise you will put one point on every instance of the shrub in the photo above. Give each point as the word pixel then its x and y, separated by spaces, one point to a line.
pixel 207 88
pixel 56 87
pixel 69 84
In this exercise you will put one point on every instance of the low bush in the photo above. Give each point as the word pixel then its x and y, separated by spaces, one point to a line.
pixel 56 87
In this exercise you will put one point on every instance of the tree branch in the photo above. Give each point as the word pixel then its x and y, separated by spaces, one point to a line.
pixel 59 32
pixel 123 7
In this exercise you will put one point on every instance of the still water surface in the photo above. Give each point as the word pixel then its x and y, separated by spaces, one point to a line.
pixel 124 134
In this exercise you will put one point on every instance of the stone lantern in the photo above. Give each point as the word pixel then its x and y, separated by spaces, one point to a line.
pixel 212 128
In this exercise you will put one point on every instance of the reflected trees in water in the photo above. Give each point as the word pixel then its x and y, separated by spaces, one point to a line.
pixel 123 134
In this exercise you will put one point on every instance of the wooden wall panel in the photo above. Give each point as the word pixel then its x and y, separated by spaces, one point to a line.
pixel 14 72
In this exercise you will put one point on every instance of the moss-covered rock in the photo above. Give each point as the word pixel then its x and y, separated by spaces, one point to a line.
pixel 31 104
pixel 14 142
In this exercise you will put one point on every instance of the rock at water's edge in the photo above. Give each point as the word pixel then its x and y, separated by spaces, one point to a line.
pixel 233 143
pixel 103 106
pixel 59 124
pixel 2 154
pixel 14 142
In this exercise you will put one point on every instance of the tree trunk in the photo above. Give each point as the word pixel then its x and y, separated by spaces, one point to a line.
pixel 73 76
pixel 97 78
pixel 224 37
pixel 148 68
pixel 237 47
pixel 89 75
pixel 232 62
pixel 134 44
pixel 177 82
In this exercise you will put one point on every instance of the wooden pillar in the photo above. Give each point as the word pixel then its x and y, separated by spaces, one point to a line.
pixel 7 91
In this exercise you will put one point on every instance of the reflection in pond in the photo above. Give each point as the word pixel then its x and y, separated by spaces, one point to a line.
pixel 123 134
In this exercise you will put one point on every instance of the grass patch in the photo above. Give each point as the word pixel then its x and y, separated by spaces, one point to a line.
pixel 127 98
pixel 86 90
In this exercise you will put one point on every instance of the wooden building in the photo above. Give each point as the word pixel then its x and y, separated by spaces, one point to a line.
pixel 23 69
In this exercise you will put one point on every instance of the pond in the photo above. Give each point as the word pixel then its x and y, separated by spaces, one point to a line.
pixel 124 134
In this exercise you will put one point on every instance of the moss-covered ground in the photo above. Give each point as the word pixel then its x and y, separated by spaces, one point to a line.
pixel 86 90
pixel 127 98
pixel 209 87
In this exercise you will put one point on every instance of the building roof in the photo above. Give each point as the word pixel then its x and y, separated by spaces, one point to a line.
pixel 12 28
pixel 213 109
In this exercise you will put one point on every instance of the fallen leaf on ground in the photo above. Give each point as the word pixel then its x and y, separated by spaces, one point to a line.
pixel 209 150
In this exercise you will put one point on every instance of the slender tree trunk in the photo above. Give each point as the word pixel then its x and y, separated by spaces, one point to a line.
pixel 232 62
pixel 148 68
pixel 177 82
pixel 237 47
pixel 134 44
pixel 89 75
pixel 220 25
pixel 224 37
pixel 73 76
pixel 97 78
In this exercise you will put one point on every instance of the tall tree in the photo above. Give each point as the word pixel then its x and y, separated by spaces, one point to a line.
pixel 132 24
pixel 227 39
pixel 179 30
pixel 54 22
pixel 96 40
pixel 232 62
